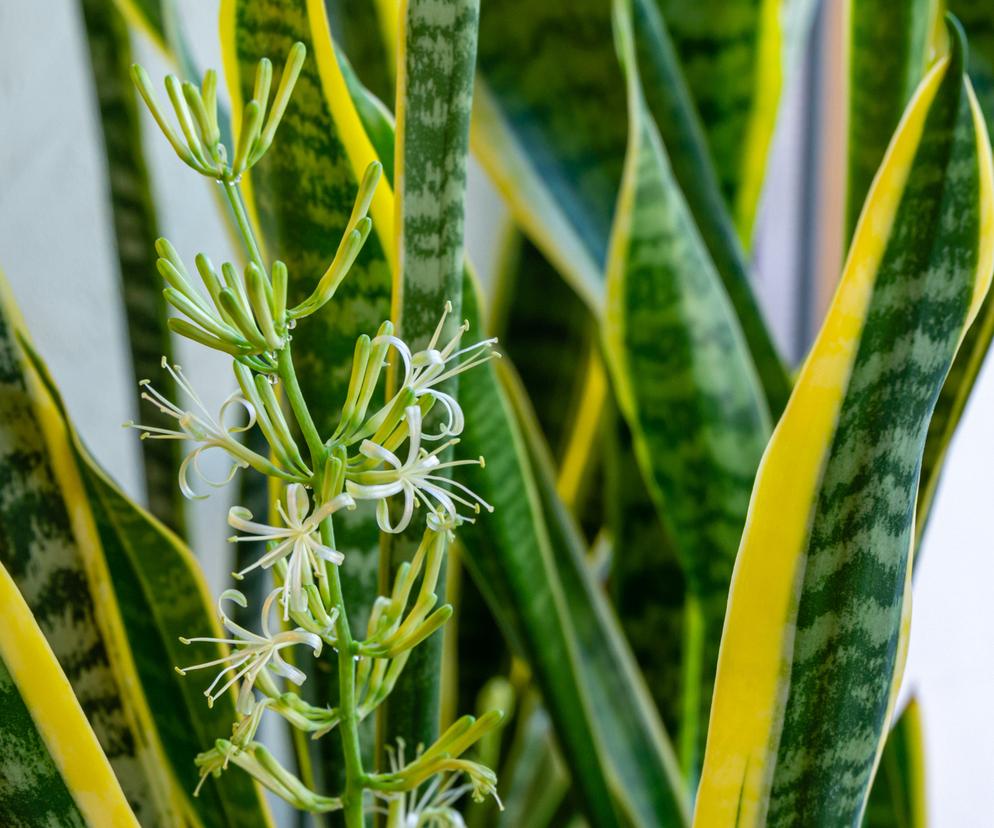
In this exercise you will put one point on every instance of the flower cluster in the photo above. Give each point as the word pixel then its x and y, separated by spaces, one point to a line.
pixel 376 455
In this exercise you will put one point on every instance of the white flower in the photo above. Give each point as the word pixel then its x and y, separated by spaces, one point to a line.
pixel 417 479
pixel 433 366
pixel 299 539
pixel 251 653
pixel 197 427
pixel 434 808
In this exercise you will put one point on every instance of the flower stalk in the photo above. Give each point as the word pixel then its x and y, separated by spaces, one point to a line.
pixel 244 312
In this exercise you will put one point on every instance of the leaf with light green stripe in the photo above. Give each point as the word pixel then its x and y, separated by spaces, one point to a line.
pixel 300 196
pixel 113 589
pixel 550 125
pixel 978 20
pixel 538 782
pixel 888 49
pixel 734 54
pixel 52 769
pixel 817 621
pixel 435 62
pixel 159 595
pixel 648 586
pixel 634 739
pixel 57 569
pixel 536 582
pixel 684 382
pixel 135 230
pixel 670 103
pixel 547 331
pixel 897 798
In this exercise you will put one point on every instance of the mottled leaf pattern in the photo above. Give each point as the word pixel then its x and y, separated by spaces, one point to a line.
pixel 436 63
pixel 888 52
pixel 54 571
pixel 672 108
pixel 543 597
pixel 820 602
pixel 978 20
pixel 732 54
pixel 52 770
pixel 684 380
pixel 550 125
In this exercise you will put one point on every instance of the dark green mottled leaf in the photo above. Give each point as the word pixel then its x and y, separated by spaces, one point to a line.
pixel 436 64
pixel 978 20
pixel 551 125
pixel 161 595
pixel 888 51
pixel 536 581
pixel 819 610
pixel 685 384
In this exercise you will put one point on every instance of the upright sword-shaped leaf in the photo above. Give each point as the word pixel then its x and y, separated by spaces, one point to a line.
pixel 436 63
pixel 816 630
pixel 685 384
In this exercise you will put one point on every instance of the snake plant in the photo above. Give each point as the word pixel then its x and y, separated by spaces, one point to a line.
pixel 634 572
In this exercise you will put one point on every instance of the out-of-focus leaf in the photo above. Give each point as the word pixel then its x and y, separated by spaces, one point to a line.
pixel 547 331
pixel 816 630
pixel 135 230
pixel 550 125
pixel 538 782
pixel 300 196
pixel 149 16
pixel 648 586
pixel 669 101
pixel 113 590
pixel 377 121
pixel 889 44
pixel 55 571
pixel 52 769
pixel 897 798
pixel 360 34
pixel 734 55
pixel 684 382
pixel 534 577
pixel 436 60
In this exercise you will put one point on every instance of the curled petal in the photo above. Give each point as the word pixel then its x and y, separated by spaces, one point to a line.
pixel 401 347
pixel 237 399
pixel 374 451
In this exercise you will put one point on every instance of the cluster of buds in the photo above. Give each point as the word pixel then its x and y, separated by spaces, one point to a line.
pixel 200 146
pixel 244 312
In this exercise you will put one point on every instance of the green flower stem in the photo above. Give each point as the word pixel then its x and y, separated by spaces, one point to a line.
pixel 234 197
pixel 355 776
pixel 286 373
